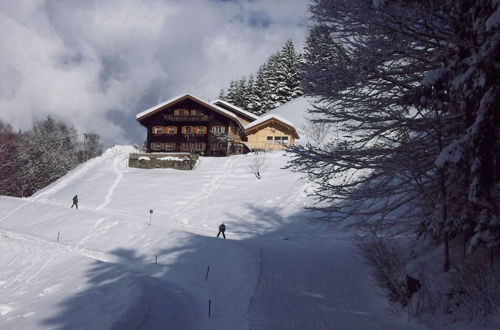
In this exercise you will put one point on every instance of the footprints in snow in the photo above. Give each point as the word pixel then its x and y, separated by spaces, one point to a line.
pixel 207 192
pixel 100 228
pixel 4 309
pixel 50 290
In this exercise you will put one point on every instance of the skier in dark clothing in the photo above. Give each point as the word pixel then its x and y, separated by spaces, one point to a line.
pixel 222 229
pixel 75 202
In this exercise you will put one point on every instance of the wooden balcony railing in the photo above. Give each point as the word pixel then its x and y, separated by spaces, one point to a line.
pixel 185 118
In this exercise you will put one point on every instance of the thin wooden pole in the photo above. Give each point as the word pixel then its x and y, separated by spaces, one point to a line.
pixel 156 260
pixel 209 307
pixel 206 276
pixel 58 233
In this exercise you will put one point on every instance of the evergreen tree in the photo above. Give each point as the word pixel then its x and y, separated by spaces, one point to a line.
pixel 420 103
pixel 274 82
pixel 241 93
pixel 321 52
pixel 222 94
pixel 232 92
pixel 261 92
pixel 277 81
pixel 288 73
pixel 253 103
pixel 9 168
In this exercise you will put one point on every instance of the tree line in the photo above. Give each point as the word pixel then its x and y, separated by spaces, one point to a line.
pixel 276 82
pixel 416 83
pixel 32 159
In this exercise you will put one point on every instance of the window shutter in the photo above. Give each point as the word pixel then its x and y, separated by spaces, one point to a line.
pixel 204 130
pixel 183 130
pixel 175 129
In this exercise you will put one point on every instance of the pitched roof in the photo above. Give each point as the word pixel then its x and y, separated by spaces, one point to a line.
pixel 182 97
pixel 270 117
pixel 236 109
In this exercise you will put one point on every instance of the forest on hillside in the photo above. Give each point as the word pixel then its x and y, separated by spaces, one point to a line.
pixel 33 159
pixel 276 82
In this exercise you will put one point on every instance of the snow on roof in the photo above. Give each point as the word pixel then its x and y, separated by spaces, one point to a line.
pixel 156 107
pixel 268 117
pixel 210 105
pixel 237 109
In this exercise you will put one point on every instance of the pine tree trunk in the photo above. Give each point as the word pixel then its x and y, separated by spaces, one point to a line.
pixel 444 220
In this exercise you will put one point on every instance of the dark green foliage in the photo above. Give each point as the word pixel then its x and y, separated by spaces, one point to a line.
pixel 277 81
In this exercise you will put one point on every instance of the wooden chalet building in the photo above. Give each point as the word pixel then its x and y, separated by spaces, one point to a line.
pixel 188 124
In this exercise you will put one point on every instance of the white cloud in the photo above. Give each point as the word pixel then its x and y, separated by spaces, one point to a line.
pixel 95 64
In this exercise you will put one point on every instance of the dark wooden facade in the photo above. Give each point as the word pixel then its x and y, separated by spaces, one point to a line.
pixel 188 124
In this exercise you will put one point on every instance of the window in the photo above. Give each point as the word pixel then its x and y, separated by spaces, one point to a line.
pixel 181 112
pixel 157 130
pixel 170 146
pixel 156 146
pixel 193 146
pixel 200 146
pixel 281 139
pixel 218 146
pixel 171 130
pixel 201 130
pixel 188 129
pixel 219 129
pixel 269 139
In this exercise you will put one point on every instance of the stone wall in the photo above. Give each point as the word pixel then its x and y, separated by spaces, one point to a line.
pixel 180 161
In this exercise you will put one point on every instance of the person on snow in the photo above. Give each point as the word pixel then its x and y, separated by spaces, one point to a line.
pixel 75 202
pixel 222 229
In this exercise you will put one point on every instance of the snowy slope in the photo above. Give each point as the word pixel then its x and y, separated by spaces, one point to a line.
pixel 278 269
pixel 294 111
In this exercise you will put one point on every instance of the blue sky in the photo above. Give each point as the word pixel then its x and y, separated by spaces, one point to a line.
pixel 95 64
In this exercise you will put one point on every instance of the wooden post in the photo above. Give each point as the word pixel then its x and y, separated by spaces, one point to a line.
pixel 209 307
pixel 156 260
pixel 206 276
pixel 58 236
pixel 150 216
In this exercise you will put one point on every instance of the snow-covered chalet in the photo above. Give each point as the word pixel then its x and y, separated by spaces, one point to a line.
pixel 187 123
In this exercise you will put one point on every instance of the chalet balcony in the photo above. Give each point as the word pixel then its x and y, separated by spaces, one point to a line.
pixel 185 118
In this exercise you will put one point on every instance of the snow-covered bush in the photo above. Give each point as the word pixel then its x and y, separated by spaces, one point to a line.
pixel 475 291
pixel 257 163
pixel 388 266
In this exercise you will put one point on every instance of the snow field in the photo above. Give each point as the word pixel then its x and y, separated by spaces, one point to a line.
pixel 277 269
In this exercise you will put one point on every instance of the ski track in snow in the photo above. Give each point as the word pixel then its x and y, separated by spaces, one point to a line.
pixel 66 180
pixel 166 301
pixel 100 228
pixel 320 294
pixel 300 285
pixel 14 211
pixel 116 168
pixel 183 209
